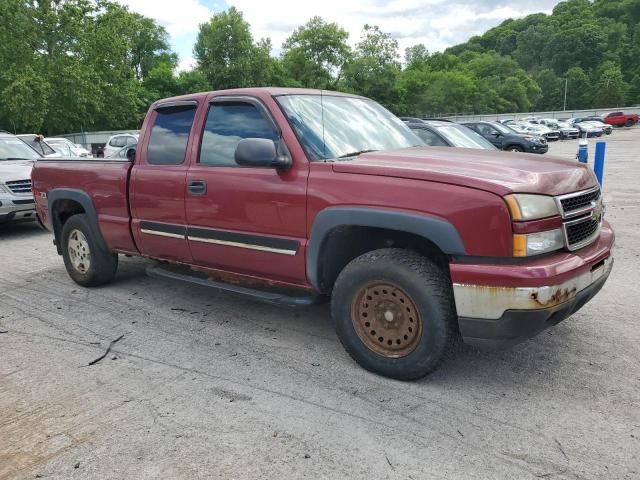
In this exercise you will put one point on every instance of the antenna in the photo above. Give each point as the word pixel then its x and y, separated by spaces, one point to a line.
pixel 324 143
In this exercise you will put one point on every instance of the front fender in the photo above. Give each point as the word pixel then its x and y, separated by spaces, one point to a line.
pixel 442 233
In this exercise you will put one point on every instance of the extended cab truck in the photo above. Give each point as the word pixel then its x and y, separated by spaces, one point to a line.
pixel 293 194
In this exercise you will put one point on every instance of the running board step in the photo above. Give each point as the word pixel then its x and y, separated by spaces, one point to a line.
pixel 275 298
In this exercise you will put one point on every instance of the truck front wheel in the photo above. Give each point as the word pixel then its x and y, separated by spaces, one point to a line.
pixel 86 263
pixel 394 313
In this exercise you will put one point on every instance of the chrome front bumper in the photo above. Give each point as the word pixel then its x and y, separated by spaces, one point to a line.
pixel 490 302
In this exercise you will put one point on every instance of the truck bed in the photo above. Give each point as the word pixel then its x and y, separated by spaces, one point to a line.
pixel 105 181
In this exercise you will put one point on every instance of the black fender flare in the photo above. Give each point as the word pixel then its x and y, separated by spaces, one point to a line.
pixel 442 233
pixel 84 200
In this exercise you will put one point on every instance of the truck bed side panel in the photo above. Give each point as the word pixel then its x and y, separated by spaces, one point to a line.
pixel 105 182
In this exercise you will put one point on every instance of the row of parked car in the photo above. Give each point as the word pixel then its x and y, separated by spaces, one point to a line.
pixel 530 134
pixel 482 134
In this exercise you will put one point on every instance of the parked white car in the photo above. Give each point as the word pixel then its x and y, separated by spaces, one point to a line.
pixel 590 129
pixel 38 143
pixel 16 163
pixel 566 130
pixel 67 148
pixel 117 142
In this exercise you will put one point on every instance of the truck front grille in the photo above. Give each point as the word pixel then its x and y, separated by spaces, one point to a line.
pixel 19 186
pixel 578 201
pixel 582 232
pixel 583 213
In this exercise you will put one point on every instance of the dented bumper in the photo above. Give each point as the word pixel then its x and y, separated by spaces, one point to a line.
pixel 531 297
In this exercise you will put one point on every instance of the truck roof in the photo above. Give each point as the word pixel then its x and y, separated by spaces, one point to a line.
pixel 260 91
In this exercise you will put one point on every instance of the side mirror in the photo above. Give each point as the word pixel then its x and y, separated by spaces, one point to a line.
pixel 131 154
pixel 260 152
pixel 496 134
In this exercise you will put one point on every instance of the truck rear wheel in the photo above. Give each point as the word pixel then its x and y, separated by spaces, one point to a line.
pixel 86 263
pixel 394 313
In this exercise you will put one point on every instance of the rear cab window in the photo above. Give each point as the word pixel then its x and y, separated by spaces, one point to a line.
pixel 170 134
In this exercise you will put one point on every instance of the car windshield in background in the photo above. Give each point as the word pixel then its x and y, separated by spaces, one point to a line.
pixel 504 129
pixel 16 149
pixel 464 137
pixel 332 127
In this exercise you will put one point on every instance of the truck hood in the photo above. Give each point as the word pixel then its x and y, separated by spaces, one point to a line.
pixel 494 171
pixel 11 170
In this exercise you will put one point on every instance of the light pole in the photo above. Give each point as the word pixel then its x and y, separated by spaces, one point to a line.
pixel 566 81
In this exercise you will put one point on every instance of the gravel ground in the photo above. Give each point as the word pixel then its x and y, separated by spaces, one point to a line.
pixel 208 385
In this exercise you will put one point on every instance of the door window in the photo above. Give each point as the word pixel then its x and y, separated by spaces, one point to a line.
pixel 429 138
pixel 486 129
pixel 170 134
pixel 227 124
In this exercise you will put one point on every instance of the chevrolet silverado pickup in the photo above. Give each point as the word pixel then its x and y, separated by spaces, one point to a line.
pixel 295 195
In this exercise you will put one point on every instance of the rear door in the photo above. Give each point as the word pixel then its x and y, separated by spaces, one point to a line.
pixel 158 183
pixel 247 220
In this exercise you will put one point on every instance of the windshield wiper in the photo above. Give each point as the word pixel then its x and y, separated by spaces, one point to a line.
pixel 15 158
pixel 355 154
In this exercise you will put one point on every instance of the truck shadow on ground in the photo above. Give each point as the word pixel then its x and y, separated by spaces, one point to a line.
pixel 19 230
pixel 465 367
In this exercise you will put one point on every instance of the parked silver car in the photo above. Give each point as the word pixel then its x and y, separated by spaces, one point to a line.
pixel 16 163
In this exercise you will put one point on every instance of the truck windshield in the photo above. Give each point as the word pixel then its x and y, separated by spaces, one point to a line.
pixel 16 149
pixel 340 127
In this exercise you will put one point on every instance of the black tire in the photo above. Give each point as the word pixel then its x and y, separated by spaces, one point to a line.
pixel 629 123
pixel 514 148
pixel 98 267
pixel 425 284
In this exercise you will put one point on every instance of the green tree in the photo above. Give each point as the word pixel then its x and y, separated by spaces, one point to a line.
pixel 416 56
pixel 611 89
pixel 552 88
pixel 374 68
pixel 578 88
pixel 314 54
pixel 227 55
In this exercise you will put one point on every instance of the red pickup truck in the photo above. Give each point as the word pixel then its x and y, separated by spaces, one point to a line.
pixel 620 119
pixel 298 195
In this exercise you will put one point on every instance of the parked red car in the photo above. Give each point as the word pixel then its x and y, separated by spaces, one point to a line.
pixel 620 119
pixel 295 195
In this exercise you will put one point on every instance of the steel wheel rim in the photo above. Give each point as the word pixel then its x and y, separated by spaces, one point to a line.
pixel 386 319
pixel 79 251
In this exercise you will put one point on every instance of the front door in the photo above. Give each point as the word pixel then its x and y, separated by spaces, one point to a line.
pixel 157 192
pixel 490 133
pixel 244 219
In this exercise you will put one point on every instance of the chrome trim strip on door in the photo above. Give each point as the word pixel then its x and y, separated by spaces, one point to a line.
pixel 162 234
pixel 243 245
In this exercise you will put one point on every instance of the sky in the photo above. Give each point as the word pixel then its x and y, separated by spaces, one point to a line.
pixel 436 23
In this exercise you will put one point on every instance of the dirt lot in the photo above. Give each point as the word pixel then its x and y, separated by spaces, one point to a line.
pixel 207 385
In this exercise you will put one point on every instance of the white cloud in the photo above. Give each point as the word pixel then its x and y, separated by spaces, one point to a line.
pixel 178 18
pixel 436 23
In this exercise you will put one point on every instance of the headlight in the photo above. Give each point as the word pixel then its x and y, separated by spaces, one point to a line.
pixel 3 189
pixel 525 245
pixel 525 206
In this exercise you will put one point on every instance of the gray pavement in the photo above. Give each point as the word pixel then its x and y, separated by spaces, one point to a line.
pixel 208 385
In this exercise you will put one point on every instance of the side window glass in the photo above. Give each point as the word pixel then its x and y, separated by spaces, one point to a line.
pixel 227 124
pixel 429 138
pixel 170 134
pixel 485 129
